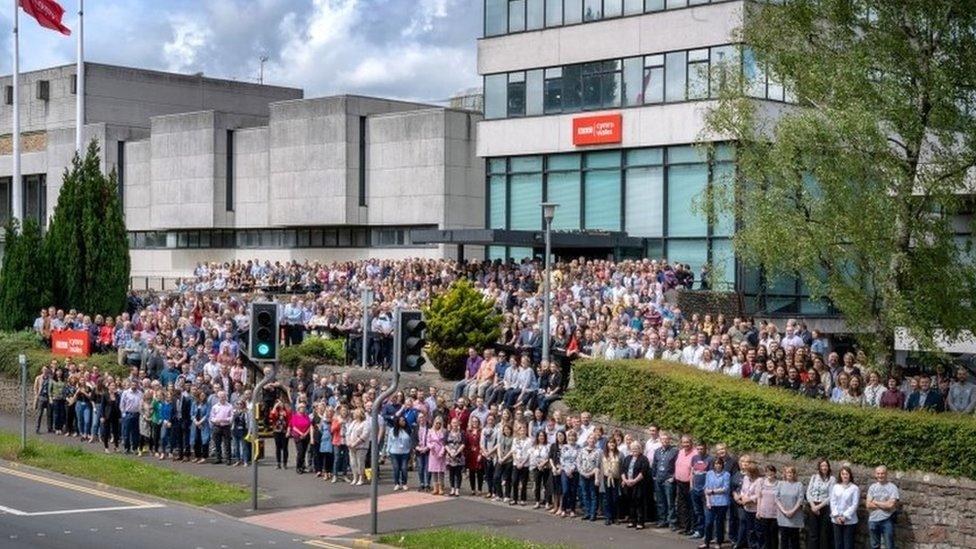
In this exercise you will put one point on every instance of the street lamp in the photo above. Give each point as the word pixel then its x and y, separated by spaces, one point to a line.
pixel 548 212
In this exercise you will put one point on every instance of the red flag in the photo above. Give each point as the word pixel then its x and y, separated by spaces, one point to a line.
pixel 47 12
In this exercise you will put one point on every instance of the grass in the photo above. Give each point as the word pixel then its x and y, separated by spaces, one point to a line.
pixel 447 538
pixel 120 471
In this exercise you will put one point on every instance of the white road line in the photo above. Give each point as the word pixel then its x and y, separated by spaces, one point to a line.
pixel 19 513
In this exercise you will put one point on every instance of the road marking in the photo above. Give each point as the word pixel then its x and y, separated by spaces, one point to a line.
pixel 326 545
pixel 71 486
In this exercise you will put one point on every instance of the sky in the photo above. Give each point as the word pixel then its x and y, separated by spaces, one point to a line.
pixel 406 49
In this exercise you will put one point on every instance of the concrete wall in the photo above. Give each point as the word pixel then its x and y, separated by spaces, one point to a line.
pixel 690 28
pixel 251 178
pixel 137 192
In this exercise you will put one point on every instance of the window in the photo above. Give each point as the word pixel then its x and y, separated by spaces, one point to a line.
pixel 496 17
pixel 673 4
pixel 689 252
pixel 553 100
pixel 554 13
pixel 633 7
pixel 497 202
pixel 676 78
pixel 633 81
pixel 35 198
pixel 564 189
pixel 572 11
pixel 534 92
pixel 612 8
pixel 516 15
pixel 601 191
pixel 653 5
pixel 752 74
pixel 644 208
pixel 5 200
pixel 362 160
pixel 229 182
pixel 525 212
pixel 572 87
pixel 724 67
pixel 654 79
pixel 534 14
pixel 698 74
pixel 592 10
pixel 516 94
pixel 496 95
pixel 601 84
pixel 686 187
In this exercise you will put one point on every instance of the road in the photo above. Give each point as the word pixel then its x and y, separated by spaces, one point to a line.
pixel 46 510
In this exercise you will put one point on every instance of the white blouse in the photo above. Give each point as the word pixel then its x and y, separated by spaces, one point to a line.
pixel 844 501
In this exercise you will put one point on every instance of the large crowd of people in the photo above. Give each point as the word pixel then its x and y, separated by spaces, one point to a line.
pixel 188 395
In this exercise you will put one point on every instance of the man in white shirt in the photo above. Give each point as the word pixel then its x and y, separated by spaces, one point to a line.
pixel 585 429
pixel 672 352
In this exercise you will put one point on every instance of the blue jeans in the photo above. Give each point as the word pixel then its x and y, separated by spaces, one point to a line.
pixel 164 442
pixel 569 485
pixel 698 511
pixel 715 524
pixel 83 417
pixel 422 473
pixel 610 497
pixel 588 496
pixel 96 424
pixel 664 498
pixel 240 449
pixel 130 431
pixel 844 536
pixel 400 468
pixel 882 533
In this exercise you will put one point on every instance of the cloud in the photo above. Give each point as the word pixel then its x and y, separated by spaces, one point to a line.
pixel 409 49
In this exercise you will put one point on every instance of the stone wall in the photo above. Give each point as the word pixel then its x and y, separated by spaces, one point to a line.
pixel 937 512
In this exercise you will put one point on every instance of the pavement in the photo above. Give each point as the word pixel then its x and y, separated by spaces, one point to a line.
pixel 292 509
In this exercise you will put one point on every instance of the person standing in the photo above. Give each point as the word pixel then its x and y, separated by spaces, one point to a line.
pixel 767 510
pixel 747 497
pixel 221 416
pixel 789 503
pixel 588 464
pixel 129 405
pixel 882 503
pixel 844 499
pixel 633 470
pixel 399 443
pixel 662 469
pixel 716 491
pixel 682 486
pixel 436 438
pixel 610 479
pixel 42 399
pixel 299 430
pixel 454 456
pixel 820 534
pixel 701 464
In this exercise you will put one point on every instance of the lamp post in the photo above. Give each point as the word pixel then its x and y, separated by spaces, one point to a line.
pixel 548 212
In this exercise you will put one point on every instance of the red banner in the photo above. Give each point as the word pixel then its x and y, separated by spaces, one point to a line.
pixel 70 343
pixel 48 14
pixel 598 130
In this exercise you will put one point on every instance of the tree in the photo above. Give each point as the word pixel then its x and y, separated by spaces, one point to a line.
pixel 87 241
pixel 857 189
pixel 458 319
pixel 24 282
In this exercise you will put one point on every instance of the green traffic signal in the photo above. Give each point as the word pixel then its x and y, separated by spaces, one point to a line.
pixel 263 349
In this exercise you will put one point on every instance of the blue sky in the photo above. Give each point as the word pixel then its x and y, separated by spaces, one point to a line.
pixel 411 49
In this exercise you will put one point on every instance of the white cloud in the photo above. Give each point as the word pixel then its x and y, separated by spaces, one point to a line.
pixel 189 38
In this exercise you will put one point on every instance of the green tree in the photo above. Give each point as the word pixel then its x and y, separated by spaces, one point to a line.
pixel 87 240
pixel 24 282
pixel 459 318
pixel 861 189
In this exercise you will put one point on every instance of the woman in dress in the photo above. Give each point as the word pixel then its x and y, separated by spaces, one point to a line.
pixel 422 452
pixel 539 465
pixel 436 436
pixel 555 472
pixel 454 456
pixel 789 502
pixel 521 456
pixel 473 459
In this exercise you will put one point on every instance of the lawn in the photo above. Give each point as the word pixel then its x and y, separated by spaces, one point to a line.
pixel 120 471
pixel 446 538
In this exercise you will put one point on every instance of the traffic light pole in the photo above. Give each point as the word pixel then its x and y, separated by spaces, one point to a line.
pixel 255 398
pixel 375 434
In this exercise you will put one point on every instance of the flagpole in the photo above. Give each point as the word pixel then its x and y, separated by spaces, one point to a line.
pixel 16 188
pixel 80 79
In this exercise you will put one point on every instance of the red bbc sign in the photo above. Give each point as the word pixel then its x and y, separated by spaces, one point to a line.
pixel 70 343
pixel 597 130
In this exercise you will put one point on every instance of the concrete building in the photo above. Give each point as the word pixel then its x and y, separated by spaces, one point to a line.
pixel 217 170
pixel 595 105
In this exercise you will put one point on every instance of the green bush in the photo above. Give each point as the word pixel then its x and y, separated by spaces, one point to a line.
pixel 12 344
pixel 714 407
pixel 457 319
pixel 312 352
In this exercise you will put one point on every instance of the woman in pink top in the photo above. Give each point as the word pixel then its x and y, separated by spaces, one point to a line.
pixel 300 429
pixel 767 529
pixel 436 450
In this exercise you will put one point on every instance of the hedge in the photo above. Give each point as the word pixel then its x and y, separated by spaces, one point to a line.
pixel 713 407
pixel 12 344
pixel 312 352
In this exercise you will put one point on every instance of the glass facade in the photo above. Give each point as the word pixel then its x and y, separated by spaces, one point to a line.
pixel 662 194
pixel 298 237
pixel 670 77
pixel 33 198
pixel 511 16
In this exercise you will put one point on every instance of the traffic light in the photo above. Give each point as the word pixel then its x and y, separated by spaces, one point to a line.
pixel 410 340
pixel 263 335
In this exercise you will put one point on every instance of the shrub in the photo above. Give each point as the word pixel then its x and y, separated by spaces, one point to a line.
pixel 459 318
pixel 24 284
pixel 312 352
pixel 12 344
pixel 714 407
